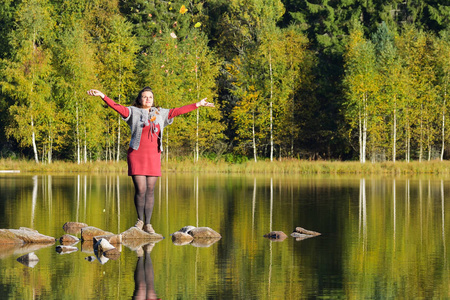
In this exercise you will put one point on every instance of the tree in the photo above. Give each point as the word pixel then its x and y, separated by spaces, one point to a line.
pixel 202 69
pixel 26 74
pixel 117 56
pixel 361 81
pixel 76 67
pixel 443 58
pixel 392 83
pixel 415 48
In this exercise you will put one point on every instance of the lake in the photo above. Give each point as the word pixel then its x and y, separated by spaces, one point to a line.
pixel 381 237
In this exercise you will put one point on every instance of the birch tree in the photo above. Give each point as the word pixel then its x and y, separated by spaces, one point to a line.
pixel 361 83
pixel 392 84
pixel 77 71
pixel 26 75
pixel 117 55
pixel 415 47
pixel 443 57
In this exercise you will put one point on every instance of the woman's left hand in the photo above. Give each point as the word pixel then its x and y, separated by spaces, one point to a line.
pixel 204 103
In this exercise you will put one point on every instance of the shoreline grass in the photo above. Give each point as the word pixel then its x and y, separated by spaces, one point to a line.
pixel 285 166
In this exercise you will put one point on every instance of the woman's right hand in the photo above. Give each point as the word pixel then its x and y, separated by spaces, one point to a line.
pixel 96 93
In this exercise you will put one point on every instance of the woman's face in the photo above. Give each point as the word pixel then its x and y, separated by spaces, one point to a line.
pixel 147 99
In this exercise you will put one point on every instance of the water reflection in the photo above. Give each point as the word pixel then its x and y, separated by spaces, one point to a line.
pixel 144 276
pixel 381 237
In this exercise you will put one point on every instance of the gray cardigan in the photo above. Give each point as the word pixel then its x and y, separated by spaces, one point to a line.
pixel 138 118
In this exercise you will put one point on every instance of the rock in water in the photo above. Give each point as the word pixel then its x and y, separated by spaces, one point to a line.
pixel 204 232
pixel 88 233
pixel 102 246
pixel 135 233
pixel 23 235
pixel 307 232
pixel 74 227
pixel 68 239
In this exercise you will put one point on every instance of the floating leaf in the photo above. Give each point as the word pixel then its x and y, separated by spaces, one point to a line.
pixel 198 24
pixel 172 34
pixel 183 9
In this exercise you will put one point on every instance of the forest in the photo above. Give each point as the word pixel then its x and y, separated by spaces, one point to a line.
pixel 318 80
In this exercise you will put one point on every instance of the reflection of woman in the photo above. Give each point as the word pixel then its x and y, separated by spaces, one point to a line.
pixel 147 124
pixel 144 277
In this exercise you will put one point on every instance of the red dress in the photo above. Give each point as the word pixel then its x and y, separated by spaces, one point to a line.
pixel 147 159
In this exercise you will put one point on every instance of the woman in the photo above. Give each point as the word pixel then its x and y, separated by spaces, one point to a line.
pixel 147 124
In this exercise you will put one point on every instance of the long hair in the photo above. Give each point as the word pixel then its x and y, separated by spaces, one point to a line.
pixel 138 101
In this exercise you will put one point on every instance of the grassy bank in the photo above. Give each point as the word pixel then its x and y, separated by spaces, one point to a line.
pixel 287 166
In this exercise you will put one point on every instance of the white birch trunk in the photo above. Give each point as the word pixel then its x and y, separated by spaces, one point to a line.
pixel 364 130
pixel 118 136
pixel 408 144
pixel 253 138
pixel 364 139
pixel 443 127
pixel 394 138
pixel 78 136
pixel 118 140
pixel 198 112
pixel 50 150
pixel 33 141
pixel 271 108
pixel 167 146
pixel 196 142
pixel 421 137
pixel 85 146
pixel 360 137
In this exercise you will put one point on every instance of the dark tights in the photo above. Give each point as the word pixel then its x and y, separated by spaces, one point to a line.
pixel 144 196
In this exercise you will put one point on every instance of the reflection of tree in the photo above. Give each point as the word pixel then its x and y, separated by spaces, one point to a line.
pixel 362 212
pixel 34 198
pixel 443 223
pixel 398 239
pixel 394 201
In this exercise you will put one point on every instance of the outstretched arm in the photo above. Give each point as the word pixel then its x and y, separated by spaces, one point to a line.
pixel 122 110
pixel 204 103
pixel 92 92
pixel 187 108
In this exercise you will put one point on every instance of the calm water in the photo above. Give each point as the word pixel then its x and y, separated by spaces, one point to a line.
pixel 382 238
